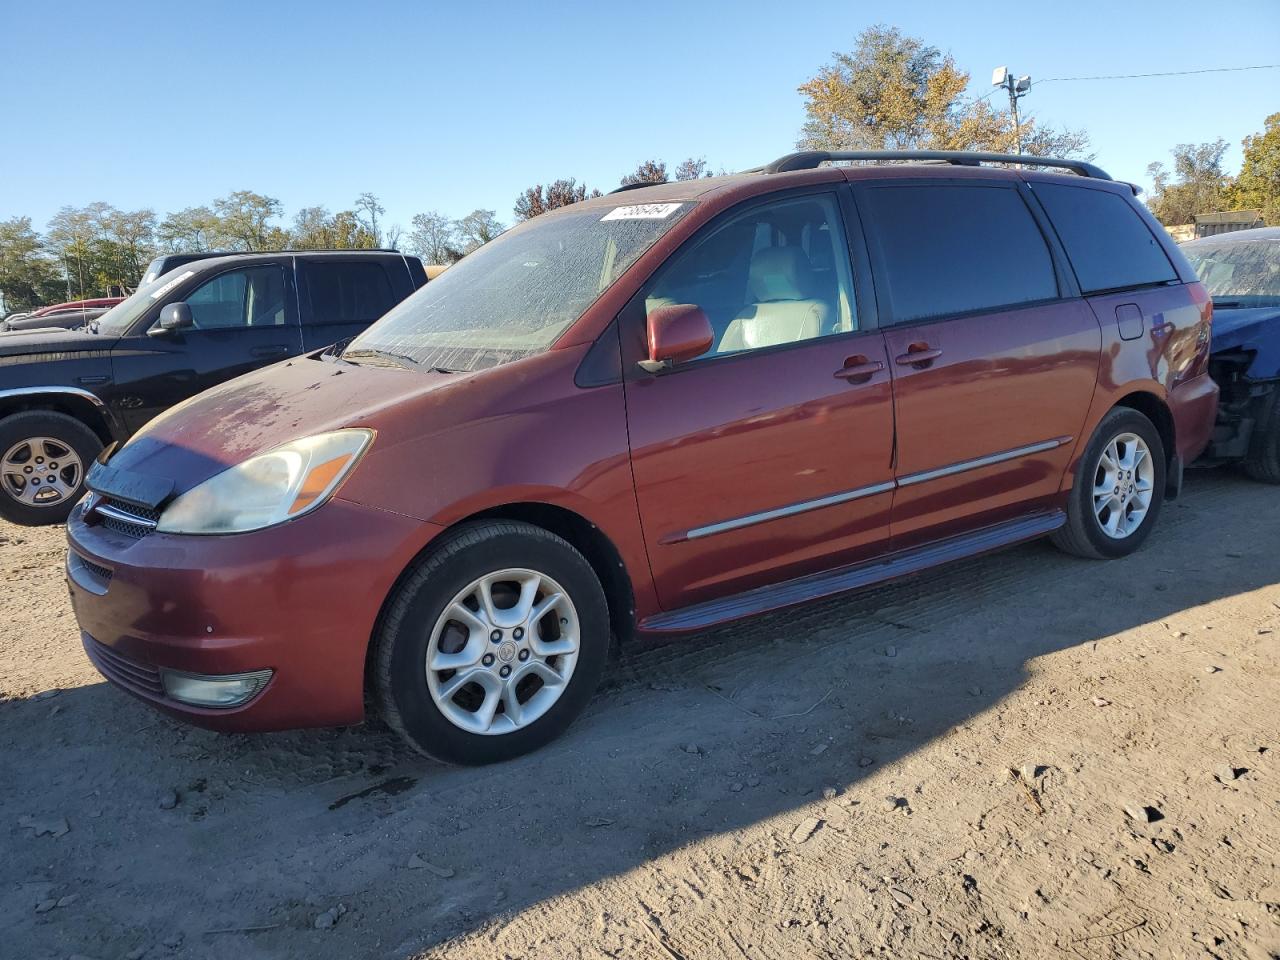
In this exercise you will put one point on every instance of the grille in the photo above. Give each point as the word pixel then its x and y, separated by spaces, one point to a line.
pixel 84 570
pixel 141 520
pixel 136 677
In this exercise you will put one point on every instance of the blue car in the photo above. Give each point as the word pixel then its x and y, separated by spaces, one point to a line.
pixel 1242 273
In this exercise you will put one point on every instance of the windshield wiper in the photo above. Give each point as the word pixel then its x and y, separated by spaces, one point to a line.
pixel 1225 303
pixel 397 359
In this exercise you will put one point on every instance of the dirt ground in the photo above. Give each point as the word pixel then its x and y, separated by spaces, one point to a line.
pixel 834 782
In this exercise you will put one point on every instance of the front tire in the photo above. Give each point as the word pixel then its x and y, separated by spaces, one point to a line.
pixel 492 645
pixel 44 457
pixel 1119 488
pixel 1263 460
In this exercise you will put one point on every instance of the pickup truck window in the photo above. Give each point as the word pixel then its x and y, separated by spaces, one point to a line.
pixel 347 292
pixel 239 298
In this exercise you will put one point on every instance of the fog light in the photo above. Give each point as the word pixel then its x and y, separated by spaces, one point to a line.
pixel 226 691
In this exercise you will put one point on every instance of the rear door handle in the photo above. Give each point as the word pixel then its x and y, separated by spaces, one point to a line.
pixel 275 350
pixel 858 369
pixel 918 355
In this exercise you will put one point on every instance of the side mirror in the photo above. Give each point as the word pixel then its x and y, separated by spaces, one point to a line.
pixel 677 332
pixel 174 316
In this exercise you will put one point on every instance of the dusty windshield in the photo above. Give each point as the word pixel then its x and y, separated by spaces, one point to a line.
pixel 515 295
pixel 1243 273
pixel 117 321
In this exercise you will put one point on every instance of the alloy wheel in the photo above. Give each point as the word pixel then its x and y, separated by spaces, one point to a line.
pixel 503 651
pixel 41 472
pixel 1123 485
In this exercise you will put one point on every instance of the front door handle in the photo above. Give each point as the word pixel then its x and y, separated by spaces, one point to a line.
pixel 858 369
pixel 918 355
pixel 275 350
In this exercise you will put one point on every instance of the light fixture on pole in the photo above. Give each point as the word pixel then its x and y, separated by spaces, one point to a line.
pixel 1017 88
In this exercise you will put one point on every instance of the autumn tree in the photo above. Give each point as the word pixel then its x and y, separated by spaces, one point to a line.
pixel 692 169
pixel 896 92
pixel 1197 183
pixel 1258 185
pixel 651 171
pixel 539 199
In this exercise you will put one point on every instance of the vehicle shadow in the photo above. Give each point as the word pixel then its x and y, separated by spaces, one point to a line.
pixel 706 736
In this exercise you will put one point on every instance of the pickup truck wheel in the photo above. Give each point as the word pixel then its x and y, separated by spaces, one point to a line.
pixel 1263 460
pixel 44 457
pixel 1119 487
pixel 492 645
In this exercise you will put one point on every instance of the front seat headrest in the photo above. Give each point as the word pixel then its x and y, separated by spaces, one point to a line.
pixel 779 273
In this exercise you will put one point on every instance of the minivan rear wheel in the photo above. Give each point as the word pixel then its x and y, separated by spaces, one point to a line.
pixel 492 645
pixel 44 457
pixel 1119 488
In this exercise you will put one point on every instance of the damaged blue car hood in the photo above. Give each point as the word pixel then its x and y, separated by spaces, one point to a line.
pixel 1250 328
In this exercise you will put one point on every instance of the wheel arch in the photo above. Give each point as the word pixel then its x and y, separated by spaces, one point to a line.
pixel 1154 408
pixel 79 404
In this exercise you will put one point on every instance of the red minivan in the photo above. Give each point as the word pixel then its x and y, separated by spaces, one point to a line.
pixel 647 413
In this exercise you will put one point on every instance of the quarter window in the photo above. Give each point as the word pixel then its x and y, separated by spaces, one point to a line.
pixel 1107 242
pixel 776 274
pixel 347 292
pixel 951 249
pixel 239 298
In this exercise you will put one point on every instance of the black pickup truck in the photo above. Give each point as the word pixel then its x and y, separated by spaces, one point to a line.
pixel 64 394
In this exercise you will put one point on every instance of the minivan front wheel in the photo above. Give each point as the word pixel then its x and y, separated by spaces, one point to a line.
pixel 44 457
pixel 1119 488
pixel 492 645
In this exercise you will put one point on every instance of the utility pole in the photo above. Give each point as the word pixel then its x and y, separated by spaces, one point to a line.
pixel 1017 88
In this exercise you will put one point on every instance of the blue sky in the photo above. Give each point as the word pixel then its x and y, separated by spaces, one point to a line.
pixel 454 106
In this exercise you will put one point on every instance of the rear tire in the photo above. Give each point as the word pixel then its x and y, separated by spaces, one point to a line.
pixel 522 615
pixel 1263 459
pixel 32 494
pixel 1099 527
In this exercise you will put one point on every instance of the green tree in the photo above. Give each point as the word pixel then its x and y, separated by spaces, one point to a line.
pixel 473 231
pixel 896 92
pixel 1197 183
pixel 432 237
pixel 28 277
pixel 193 230
pixel 315 228
pixel 1258 185
pixel 539 199
pixel 244 221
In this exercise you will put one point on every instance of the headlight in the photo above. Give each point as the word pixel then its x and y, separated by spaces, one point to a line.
pixel 287 482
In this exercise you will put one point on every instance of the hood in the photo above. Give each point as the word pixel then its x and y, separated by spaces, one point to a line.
pixel 48 340
pixel 1250 328
pixel 297 398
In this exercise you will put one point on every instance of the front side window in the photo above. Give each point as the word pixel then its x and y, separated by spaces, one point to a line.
pixel 775 274
pixel 346 291
pixel 515 295
pixel 1242 273
pixel 239 298
pixel 949 249
pixel 1107 242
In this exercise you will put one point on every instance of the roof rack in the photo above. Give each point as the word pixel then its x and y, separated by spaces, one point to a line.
pixel 809 159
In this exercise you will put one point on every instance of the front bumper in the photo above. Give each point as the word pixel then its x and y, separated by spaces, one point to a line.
pixel 300 599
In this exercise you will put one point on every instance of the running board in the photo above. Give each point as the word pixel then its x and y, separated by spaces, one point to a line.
pixel 818 585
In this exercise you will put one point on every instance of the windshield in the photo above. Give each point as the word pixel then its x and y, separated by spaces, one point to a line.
pixel 117 321
pixel 514 296
pixel 1245 272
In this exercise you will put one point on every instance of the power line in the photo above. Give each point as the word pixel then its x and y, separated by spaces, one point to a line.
pixel 1166 73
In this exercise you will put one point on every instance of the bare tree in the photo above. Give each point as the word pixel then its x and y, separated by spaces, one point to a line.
pixel 432 237
pixel 475 230
pixel 368 209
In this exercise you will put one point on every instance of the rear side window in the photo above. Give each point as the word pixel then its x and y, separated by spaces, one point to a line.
pixel 1107 242
pixel 948 249
pixel 347 291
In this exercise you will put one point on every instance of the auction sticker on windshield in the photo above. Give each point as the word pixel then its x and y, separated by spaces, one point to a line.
pixel 642 211
pixel 169 285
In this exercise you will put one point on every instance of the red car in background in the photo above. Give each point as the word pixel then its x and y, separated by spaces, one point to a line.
pixel 647 413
